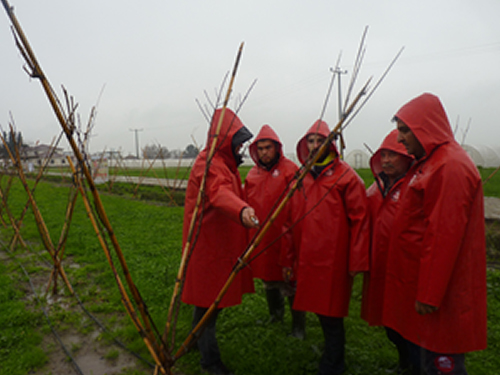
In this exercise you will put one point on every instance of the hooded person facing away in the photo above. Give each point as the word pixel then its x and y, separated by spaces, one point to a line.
pixel 334 242
pixel 221 237
pixel 436 270
pixel 389 165
pixel 265 184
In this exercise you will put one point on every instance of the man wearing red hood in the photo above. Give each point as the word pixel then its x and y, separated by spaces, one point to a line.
pixel 221 234
pixel 334 242
pixel 266 183
pixel 389 165
pixel 436 268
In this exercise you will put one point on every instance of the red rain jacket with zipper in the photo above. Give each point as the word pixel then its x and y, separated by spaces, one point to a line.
pixel 334 233
pixel 263 189
pixel 382 210
pixel 221 237
pixel 437 253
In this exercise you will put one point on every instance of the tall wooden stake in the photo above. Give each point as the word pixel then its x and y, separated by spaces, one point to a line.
pixel 188 245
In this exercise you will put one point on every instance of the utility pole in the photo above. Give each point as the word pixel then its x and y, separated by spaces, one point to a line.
pixel 136 140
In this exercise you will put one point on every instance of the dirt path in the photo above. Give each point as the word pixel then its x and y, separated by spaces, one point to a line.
pixel 492 208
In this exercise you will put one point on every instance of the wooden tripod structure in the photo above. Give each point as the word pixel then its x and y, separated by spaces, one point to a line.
pixel 156 349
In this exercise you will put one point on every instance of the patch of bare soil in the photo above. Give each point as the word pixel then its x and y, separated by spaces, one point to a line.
pixel 492 216
pixel 90 355
pixel 492 208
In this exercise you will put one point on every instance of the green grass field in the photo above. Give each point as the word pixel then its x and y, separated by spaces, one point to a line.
pixel 149 233
pixel 491 187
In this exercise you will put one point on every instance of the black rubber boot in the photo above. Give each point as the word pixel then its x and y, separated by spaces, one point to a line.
pixel 404 366
pixel 298 322
pixel 276 304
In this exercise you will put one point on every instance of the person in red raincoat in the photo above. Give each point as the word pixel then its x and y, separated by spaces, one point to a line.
pixel 436 270
pixel 389 165
pixel 220 237
pixel 334 242
pixel 266 183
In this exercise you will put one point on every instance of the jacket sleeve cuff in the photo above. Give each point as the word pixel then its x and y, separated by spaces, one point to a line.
pixel 241 214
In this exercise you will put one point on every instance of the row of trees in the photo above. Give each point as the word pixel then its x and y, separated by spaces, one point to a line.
pixel 159 152
pixel 10 139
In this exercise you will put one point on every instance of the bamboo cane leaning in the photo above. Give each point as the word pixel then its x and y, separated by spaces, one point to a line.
pixel 42 228
pixel 188 246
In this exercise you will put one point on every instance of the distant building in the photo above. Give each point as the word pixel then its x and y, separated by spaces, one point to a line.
pixel 38 154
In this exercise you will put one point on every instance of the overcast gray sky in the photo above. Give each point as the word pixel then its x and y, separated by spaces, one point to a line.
pixel 153 59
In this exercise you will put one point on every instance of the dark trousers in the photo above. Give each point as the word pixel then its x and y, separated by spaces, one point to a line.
pixel 332 362
pixel 401 346
pixel 427 362
pixel 207 342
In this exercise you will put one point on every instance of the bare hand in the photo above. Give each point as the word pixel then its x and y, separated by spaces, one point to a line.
pixel 423 308
pixel 287 274
pixel 248 218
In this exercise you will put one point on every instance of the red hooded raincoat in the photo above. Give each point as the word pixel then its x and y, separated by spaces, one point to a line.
pixel 382 210
pixel 437 253
pixel 263 188
pixel 334 234
pixel 221 235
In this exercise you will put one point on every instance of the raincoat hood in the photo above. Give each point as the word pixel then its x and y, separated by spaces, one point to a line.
pixel 319 127
pixel 266 132
pixel 232 133
pixel 390 143
pixel 426 118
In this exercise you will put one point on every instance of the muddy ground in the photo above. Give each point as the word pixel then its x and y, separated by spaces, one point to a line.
pixel 76 348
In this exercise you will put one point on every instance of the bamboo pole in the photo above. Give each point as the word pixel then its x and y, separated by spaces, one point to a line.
pixel 177 170
pixel 143 174
pixel 141 177
pixel 4 223
pixel 19 222
pixel 187 247
pixel 6 194
pixel 42 228
pixel 124 295
pixel 242 262
pixel 166 189
pixel 61 245
pixel 491 175
pixel 13 223
pixel 36 72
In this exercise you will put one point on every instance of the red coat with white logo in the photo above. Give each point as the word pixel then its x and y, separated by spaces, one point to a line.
pixel 263 189
pixel 334 234
pixel 220 237
pixel 382 208
pixel 437 253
